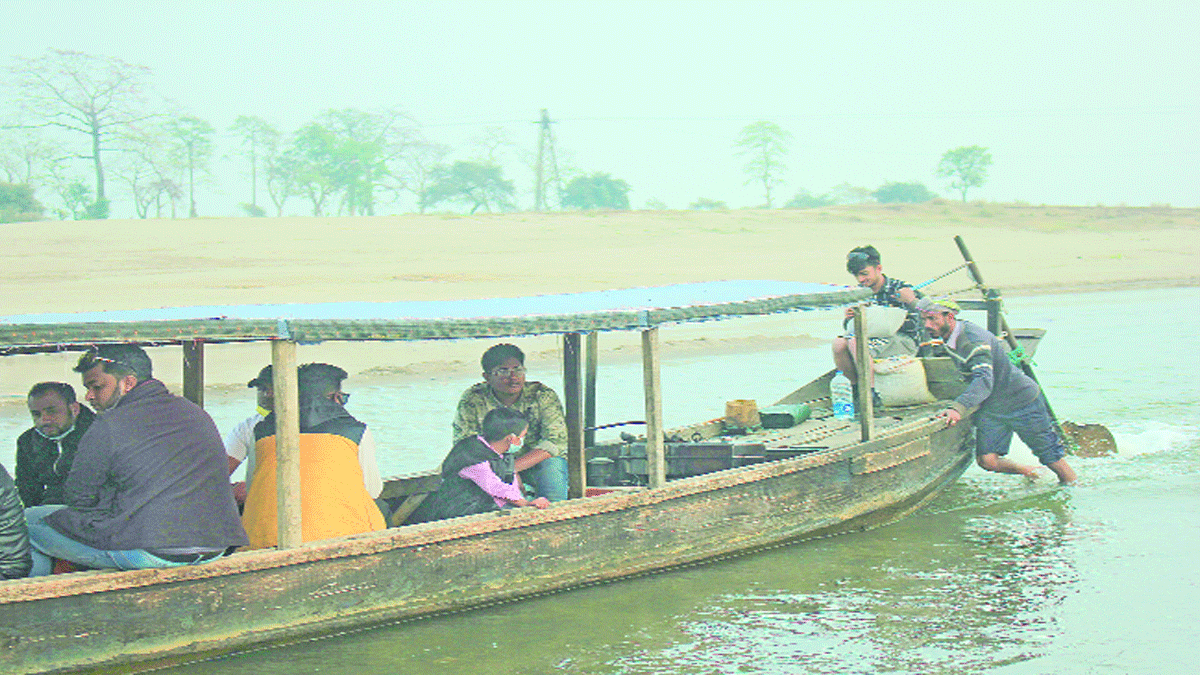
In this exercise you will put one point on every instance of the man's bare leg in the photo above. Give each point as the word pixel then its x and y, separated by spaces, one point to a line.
pixel 1066 475
pixel 843 357
pixel 998 464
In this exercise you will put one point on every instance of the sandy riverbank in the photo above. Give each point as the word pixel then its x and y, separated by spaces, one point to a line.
pixel 123 264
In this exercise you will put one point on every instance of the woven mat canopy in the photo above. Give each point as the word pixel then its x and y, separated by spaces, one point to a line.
pixel 624 309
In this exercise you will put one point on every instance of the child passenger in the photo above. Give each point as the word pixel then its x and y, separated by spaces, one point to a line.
pixel 478 475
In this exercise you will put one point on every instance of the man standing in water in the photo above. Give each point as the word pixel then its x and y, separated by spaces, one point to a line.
pixel 1003 398
pixel 541 464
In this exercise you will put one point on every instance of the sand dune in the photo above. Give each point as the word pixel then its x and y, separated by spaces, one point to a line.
pixel 125 264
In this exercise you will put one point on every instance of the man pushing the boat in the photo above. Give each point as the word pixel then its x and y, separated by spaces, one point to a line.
pixel 1003 399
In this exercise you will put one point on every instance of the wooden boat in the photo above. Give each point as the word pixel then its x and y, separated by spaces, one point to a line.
pixel 821 477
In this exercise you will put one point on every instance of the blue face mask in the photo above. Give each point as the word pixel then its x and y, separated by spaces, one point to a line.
pixel 516 445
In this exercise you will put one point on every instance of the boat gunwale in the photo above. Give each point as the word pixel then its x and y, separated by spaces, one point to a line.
pixel 426 534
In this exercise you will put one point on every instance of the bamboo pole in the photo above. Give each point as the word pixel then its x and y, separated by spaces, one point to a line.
pixel 572 395
pixel 656 462
pixel 1005 331
pixel 287 443
pixel 193 371
pixel 592 353
pixel 864 364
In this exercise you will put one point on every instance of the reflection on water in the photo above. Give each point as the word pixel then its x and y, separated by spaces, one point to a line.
pixel 995 576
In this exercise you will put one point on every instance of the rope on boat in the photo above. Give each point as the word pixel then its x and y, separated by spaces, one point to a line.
pixel 923 284
pixel 1018 356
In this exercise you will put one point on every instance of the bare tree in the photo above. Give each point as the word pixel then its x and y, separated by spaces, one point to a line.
pixel 149 170
pixel 27 157
pixel 95 96
pixel 193 147
pixel 419 162
pixel 258 137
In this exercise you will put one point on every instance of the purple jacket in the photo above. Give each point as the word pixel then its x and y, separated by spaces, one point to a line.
pixel 150 473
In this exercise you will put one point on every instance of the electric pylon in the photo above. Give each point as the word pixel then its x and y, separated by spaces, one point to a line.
pixel 546 171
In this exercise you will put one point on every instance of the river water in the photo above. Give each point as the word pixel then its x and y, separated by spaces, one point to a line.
pixel 996 576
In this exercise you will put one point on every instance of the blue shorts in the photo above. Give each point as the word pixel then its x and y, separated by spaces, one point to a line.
pixel 993 432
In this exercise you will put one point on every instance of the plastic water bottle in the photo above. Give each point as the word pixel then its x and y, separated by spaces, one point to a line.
pixel 841 394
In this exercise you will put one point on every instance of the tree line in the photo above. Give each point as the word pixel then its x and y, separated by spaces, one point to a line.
pixel 80 123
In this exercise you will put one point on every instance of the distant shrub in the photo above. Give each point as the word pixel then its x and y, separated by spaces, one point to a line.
pixel 907 193
pixel 97 210
pixel 806 200
pixel 253 210
pixel 705 204
pixel 17 203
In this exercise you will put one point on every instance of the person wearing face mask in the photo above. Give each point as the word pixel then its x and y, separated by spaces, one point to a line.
pixel 45 451
pixel 149 486
pixel 542 463
pixel 478 475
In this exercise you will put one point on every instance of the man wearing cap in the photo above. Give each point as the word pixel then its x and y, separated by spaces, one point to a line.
pixel 150 483
pixel 1001 398
pixel 239 443
pixel 866 265
pixel 45 452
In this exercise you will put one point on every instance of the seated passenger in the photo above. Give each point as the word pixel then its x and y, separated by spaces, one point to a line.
pixel 15 559
pixel 865 264
pixel 239 442
pixel 543 466
pixel 46 451
pixel 149 486
pixel 478 475
pixel 339 479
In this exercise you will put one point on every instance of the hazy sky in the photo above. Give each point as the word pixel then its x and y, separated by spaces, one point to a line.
pixel 1079 102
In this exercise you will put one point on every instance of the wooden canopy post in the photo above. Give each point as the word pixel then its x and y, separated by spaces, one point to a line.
pixel 591 353
pixel 656 461
pixel 572 395
pixel 864 364
pixel 193 371
pixel 287 442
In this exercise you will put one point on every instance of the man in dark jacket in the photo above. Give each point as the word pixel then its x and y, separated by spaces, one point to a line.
pixel 46 451
pixel 150 482
pixel 14 536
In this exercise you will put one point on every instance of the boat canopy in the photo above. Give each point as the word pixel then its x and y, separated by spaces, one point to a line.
pixel 624 309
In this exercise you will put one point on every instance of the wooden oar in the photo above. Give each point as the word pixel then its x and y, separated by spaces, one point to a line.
pixel 1085 440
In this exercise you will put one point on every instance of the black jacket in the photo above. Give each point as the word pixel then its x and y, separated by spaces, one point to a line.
pixel 457 496
pixel 42 467
pixel 15 559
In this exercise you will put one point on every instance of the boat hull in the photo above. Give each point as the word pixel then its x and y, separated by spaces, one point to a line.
pixel 151 617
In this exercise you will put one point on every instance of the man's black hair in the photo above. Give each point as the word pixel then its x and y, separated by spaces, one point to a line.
pixel 497 354
pixel 63 390
pixel 119 360
pixel 500 422
pixel 319 379
pixel 860 257
pixel 262 380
